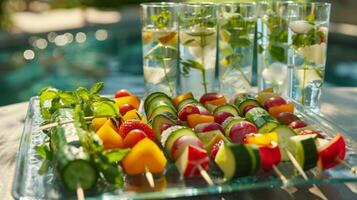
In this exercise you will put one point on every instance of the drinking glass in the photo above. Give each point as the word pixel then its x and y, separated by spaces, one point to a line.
pixel 273 45
pixel 198 47
pixel 236 28
pixel 308 32
pixel 160 46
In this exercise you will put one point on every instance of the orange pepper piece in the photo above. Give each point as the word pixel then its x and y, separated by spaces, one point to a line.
pixel 276 110
pixel 194 119
pixel 169 38
pixel 99 122
pixel 111 139
pixel 182 97
pixel 132 100
pixel 145 153
pixel 134 114
pixel 217 102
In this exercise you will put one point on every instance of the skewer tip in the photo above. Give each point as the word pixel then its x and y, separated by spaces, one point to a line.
pixel 205 175
pixel 80 193
pixel 149 177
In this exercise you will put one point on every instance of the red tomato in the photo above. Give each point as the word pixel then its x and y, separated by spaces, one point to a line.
pixel 122 93
pixel 133 137
pixel 125 108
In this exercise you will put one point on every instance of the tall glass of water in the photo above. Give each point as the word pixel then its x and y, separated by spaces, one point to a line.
pixel 273 45
pixel 160 46
pixel 308 31
pixel 198 47
pixel 236 27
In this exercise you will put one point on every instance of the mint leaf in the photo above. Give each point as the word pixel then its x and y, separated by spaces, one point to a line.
pixel 237 41
pixel 310 18
pixel 277 53
pixel 104 108
pixel 44 151
pixel 44 167
pixel 83 94
pixel 117 155
pixel 96 88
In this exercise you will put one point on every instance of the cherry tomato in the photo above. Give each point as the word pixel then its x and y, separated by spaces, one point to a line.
pixel 125 108
pixel 122 93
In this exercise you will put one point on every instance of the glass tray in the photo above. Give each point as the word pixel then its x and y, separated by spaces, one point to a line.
pixel 28 184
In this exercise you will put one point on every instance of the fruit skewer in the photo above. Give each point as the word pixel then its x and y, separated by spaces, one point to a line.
pixel 180 143
pixel 132 131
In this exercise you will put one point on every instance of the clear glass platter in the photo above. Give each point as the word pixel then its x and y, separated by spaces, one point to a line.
pixel 28 184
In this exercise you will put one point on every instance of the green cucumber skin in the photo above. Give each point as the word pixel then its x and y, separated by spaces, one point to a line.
pixel 88 178
pixel 244 100
pixel 244 164
pixel 63 143
pixel 261 119
pixel 153 96
pixel 310 154
pixel 157 121
pixel 186 101
pixel 162 109
pixel 174 136
pixel 256 154
pixel 227 108
pixel 157 102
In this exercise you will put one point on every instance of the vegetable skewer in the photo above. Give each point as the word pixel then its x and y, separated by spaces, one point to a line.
pixel 315 190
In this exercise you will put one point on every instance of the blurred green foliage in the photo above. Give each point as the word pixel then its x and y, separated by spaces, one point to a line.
pixel 5 20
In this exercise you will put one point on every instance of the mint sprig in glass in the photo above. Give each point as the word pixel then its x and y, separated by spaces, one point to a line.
pixel 236 45
pixel 198 47
pixel 273 45
pixel 160 51
pixel 308 32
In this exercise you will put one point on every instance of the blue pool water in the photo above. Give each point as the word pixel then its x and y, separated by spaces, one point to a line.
pixel 111 54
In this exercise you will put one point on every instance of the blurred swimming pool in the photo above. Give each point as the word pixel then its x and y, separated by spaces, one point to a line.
pixel 111 54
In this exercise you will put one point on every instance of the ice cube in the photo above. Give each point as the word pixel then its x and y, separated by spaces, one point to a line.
pixel 314 53
pixel 276 73
pixel 153 75
pixel 300 26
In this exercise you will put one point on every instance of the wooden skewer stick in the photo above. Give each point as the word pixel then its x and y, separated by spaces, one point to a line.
pixel 315 190
pixel 149 177
pixel 50 125
pixel 80 193
pixel 296 164
pixel 344 163
pixel 279 174
pixel 205 175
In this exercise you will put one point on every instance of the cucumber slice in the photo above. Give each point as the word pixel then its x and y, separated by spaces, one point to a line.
pixel 153 96
pixel 262 120
pixel 210 138
pixel 156 102
pixel 305 150
pixel 87 177
pixel 226 108
pixel 238 160
pixel 226 161
pixel 160 119
pixel 255 155
pixel 173 134
pixel 162 109
pixel 186 101
pixel 284 133
pixel 244 100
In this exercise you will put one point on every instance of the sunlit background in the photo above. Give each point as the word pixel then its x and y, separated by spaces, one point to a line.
pixel 70 43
